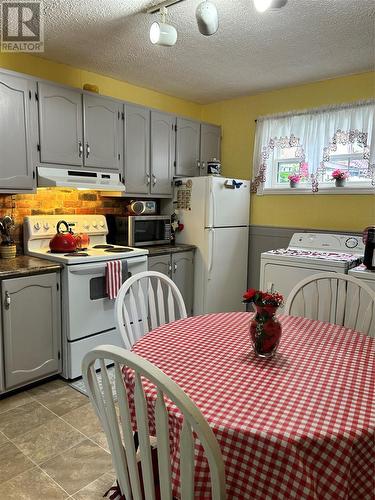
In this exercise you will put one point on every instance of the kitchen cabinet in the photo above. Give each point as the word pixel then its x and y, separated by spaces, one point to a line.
pixel 79 130
pixel 179 267
pixel 31 328
pixel 163 137
pixel 210 145
pixel 17 133
pixel 137 149
pixel 187 147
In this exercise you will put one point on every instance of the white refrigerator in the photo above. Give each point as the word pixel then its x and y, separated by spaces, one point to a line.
pixel 215 214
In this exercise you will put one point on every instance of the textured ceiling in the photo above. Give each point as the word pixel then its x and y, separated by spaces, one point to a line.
pixel 305 41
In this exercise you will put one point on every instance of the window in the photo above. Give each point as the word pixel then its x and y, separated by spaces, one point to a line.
pixel 309 146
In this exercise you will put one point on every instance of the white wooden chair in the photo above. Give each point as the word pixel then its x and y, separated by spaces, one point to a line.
pixel 335 298
pixel 144 302
pixel 119 433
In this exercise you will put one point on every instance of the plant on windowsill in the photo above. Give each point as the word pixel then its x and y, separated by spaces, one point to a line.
pixel 294 180
pixel 7 248
pixel 340 177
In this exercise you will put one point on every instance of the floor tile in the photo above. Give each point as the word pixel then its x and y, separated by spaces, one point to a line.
pixel 48 440
pixel 61 400
pixel 3 439
pixel 100 439
pixel 9 402
pixel 95 490
pixel 46 387
pixel 84 419
pixel 79 466
pixel 33 484
pixel 24 418
pixel 12 462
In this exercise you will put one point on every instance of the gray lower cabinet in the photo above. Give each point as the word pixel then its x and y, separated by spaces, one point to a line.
pixel 17 128
pixel 31 328
pixel 187 148
pixel 180 268
pixel 163 144
pixel 210 145
pixel 60 125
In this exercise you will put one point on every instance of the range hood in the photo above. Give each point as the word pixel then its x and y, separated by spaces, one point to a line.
pixel 79 179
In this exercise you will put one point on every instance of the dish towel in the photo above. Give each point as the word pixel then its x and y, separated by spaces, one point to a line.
pixel 113 278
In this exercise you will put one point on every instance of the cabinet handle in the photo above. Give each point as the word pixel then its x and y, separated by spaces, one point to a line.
pixel 148 180
pixel 198 164
pixel 80 149
pixel 170 270
pixel 174 267
pixel 153 180
pixel 7 300
pixel 87 150
pixel 203 166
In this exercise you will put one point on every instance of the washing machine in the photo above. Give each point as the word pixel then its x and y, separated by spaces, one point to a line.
pixel 307 254
pixel 364 275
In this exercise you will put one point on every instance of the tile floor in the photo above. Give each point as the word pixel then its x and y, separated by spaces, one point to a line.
pixel 52 446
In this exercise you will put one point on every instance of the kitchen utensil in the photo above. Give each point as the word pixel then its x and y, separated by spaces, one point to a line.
pixel 63 241
pixel 82 240
pixel 214 167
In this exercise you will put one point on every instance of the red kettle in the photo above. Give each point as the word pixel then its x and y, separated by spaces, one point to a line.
pixel 63 241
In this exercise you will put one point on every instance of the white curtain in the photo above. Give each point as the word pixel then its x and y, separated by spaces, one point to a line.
pixel 315 134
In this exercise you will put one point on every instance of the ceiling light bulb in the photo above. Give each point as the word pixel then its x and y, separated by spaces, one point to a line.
pixel 207 18
pixel 262 5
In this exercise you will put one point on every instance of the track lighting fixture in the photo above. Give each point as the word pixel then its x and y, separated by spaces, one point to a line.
pixel 162 33
pixel 207 18
pixel 263 5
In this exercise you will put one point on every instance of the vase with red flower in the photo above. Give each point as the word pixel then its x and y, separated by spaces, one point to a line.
pixel 265 328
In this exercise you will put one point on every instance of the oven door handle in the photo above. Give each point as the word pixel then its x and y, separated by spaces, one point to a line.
pixel 100 267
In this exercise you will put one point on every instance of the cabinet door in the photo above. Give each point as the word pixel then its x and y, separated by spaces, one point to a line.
pixel 183 276
pixel 60 125
pixel 31 328
pixel 16 169
pixel 187 147
pixel 162 152
pixel 210 145
pixel 137 149
pixel 160 263
pixel 102 119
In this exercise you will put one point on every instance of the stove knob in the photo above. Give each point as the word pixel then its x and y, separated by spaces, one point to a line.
pixel 95 224
pixel 86 225
pixel 351 243
pixel 37 226
pixel 46 226
pixel 102 223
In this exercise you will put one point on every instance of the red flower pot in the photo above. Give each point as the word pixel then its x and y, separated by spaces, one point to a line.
pixel 265 331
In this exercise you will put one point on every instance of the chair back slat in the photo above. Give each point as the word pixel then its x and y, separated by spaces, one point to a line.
pixel 334 298
pixel 187 462
pixel 144 302
pixel 167 392
pixel 144 438
pixel 162 434
pixel 161 302
pixel 125 420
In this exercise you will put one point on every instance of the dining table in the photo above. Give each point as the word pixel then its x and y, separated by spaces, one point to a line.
pixel 299 425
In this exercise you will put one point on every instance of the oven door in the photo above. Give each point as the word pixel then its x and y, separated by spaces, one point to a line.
pixel 86 308
pixel 149 230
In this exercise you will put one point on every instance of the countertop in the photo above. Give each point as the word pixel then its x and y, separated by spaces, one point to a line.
pixel 163 249
pixel 24 265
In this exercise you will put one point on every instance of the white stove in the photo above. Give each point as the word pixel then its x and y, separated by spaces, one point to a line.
pixel 88 317
pixel 307 254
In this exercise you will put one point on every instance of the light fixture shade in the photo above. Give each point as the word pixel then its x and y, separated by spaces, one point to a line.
pixel 207 18
pixel 163 34
pixel 262 5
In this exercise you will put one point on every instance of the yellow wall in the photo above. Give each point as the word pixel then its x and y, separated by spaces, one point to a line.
pixel 68 75
pixel 336 212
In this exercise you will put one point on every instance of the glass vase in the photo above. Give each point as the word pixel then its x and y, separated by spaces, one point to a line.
pixel 265 331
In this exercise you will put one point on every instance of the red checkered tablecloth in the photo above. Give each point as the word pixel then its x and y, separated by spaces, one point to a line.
pixel 300 425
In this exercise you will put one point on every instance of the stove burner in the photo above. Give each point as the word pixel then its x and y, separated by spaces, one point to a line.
pixel 76 254
pixel 103 246
pixel 119 250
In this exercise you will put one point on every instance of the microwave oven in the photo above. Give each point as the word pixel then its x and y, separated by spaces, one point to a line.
pixel 140 230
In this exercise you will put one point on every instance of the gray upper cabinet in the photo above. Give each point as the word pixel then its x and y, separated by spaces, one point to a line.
pixel 187 148
pixel 31 328
pixel 210 145
pixel 60 125
pixel 183 276
pixel 137 149
pixel 102 132
pixel 16 133
pixel 162 152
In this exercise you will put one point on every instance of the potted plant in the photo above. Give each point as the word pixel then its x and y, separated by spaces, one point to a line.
pixel 340 177
pixel 294 180
pixel 7 247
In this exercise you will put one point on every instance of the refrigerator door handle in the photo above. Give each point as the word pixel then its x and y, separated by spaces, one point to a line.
pixel 212 241
pixel 211 211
